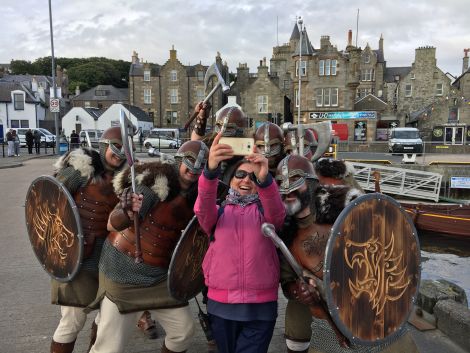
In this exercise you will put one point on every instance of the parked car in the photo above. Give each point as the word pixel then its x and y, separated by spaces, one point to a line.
pixel 160 140
pixel 90 137
pixel 47 137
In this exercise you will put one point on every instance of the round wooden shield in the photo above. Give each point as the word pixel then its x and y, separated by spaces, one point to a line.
pixel 372 269
pixel 185 277
pixel 54 228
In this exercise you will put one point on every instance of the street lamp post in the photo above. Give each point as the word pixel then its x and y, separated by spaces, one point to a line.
pixel 300 132
pixel 54 87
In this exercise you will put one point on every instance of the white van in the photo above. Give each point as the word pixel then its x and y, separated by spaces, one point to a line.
pixel 46 136
pixel 90 137
pixel 405 140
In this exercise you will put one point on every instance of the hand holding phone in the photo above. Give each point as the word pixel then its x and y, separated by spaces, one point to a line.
pixel 242 146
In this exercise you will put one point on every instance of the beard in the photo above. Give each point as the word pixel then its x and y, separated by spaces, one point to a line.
pixel 302 201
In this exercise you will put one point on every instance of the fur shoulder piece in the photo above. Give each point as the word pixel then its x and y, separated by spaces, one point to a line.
pixel 333 168
pixel 330 200
pixel 86 161
pixel 160 177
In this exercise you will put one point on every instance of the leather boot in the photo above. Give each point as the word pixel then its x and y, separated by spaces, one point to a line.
pixel 291 351
pixel 93 332
pixel 148 326
pixel 62 347
pixel 166 350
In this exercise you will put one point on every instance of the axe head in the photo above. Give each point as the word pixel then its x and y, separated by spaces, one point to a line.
pixel 127 132
pixel 213 70
pixel 324 132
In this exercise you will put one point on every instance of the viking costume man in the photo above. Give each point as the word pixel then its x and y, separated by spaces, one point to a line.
pixel 269 139
pixel 127 287
pixel 313 208
pixel 87 174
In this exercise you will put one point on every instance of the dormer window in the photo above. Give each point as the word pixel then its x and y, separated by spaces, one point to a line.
pixel 100 93
pixel 200 75
pixel 147 75
pixel 173 75
pixel 18 99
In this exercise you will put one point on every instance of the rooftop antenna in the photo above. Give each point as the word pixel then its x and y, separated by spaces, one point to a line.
pixel 277 30
pixel 357 25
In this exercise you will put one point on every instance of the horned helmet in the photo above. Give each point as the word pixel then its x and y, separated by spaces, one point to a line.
pixel 292 172
pixel 291 143
pixel 232 120
pixel 112 138
pixel 193 154
pixel 268 139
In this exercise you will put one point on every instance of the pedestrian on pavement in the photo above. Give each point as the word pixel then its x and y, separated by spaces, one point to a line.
pixel 74 140
pixel 11 143
pixel 241 266
pixel 29 140
pixel 37 141
pixel 16 143
pixel 87 174
pixel 167 191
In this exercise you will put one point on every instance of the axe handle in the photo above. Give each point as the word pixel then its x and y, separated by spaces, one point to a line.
pixel 138 249
pixel 204 101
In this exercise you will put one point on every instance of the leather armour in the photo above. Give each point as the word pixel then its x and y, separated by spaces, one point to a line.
pixel 95 202
pixel 159 232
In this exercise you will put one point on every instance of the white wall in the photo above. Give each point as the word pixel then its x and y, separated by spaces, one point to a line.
pixel 78 115
pixel 28 113
pixel 111 118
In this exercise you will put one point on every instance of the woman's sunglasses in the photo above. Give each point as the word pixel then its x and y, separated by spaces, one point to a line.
pixel 241 174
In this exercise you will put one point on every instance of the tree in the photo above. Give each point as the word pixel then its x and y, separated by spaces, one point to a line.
pixel 22 67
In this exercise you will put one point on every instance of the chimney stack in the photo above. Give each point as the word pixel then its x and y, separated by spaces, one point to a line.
pixel 349 37
pixel 465 61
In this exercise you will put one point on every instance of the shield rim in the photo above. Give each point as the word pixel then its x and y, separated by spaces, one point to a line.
pixel 170 267
pixel 332 308
pixel 79 236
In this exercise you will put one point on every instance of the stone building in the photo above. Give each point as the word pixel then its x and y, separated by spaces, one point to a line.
pixel 101 97
pixel 169 92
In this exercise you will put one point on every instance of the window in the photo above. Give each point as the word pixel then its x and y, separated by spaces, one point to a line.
pixel 171 117
pixel 147 96
pixel 412 76
pixel 366 58
pixel 87 104
pixel 147 75
pixel 18 99
pixel 327 67
pixel 100 93
pixel 200 94
pixel 303 68
pixel 439 89
pixel 200 75
pixel 362 92
pixel 262 104
pixel 408 90
pixel 173 75
pixel 173 95
pixel 327 97
pixel 367 75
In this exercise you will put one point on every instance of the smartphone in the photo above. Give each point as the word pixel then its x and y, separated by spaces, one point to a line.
pixel 242 146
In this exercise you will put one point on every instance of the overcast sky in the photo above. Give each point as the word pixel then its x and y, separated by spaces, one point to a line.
pixel 242 31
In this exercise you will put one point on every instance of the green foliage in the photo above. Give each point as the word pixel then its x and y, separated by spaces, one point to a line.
pixel 86 72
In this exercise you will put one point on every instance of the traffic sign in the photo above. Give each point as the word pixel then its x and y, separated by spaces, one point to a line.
pixel 54 105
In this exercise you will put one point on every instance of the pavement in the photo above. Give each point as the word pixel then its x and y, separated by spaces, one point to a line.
pixel 28 318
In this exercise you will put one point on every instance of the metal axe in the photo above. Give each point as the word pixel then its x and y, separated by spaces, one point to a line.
pixel 323 130
pixel 127 132
pixel 213 70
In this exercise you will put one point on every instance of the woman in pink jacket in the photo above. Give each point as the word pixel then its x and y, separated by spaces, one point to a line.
pixel 241 266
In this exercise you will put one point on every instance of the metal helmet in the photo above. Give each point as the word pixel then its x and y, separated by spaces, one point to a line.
pixel 292 173
pixel 112 137
pixel 193 154
pixel 232 121
pixel 268 139
pixel 291 143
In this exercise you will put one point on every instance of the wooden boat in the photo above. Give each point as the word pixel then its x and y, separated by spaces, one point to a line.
pixel 444 218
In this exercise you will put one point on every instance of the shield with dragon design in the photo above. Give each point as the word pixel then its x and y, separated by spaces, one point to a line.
pixel 185 277
pixel 54 228
pixel 372 269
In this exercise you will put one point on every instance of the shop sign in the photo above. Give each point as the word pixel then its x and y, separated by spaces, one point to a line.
pixel 342 115
pixel 460 182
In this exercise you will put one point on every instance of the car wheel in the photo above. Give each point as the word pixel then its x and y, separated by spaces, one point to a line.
pixel 148 145
pixel 172 146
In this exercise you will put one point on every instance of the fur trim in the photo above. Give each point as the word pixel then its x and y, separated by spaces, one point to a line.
pixel 349 169
pixel 328 167
pixel 80 159
pixel 330 200
pixel 160 177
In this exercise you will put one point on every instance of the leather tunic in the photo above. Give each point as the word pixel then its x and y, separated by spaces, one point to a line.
pixel 95 202
pixel 159 232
